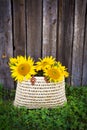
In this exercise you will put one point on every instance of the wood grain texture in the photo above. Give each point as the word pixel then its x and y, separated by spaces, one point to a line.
pixel 49 27
pixel 34 26
pixel 5 43
pixel 84 76
pixel 80 8
pixel 19 27
pixel 65 33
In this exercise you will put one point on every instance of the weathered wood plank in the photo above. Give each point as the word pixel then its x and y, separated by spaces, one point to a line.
pixel 5 43
pixel 65 33
pixel 34 26
pixel 19 27
pixel 80 7
pixel 49 27
pixel 84 76
pixel 60 42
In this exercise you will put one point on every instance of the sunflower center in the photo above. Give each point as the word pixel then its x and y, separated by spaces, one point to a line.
pixel 54 73
pixel 24 69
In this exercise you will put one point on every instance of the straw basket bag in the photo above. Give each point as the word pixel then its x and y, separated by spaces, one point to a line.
pixel 40 95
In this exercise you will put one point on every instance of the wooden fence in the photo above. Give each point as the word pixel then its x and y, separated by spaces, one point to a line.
pixel 44 27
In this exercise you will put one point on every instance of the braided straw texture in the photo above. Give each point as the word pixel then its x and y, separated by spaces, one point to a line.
pixel 40 95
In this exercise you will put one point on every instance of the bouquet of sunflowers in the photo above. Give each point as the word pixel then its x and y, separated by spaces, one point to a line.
pixel 47 77
pixel 24 68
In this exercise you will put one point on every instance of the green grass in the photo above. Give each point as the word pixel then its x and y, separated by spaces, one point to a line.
pixel 72 116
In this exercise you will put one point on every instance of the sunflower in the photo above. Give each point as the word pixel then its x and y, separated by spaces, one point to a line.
pixel 54 74
pixel 44 63
pixel 22 68
pixel 63 69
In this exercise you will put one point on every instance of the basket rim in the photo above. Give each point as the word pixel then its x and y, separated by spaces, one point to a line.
pixel 41 78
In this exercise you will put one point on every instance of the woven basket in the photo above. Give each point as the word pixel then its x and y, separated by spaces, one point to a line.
pixel 40 95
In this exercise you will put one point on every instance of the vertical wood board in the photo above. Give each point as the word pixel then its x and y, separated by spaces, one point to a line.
pixel 60 32
pixel 80 7
pixel 6 49
pixel 49 27
pixel 34 27
pixel 19 27
pixel 84 78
